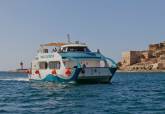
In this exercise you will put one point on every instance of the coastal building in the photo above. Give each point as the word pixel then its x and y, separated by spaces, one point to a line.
pixel 153 47
pixel 133 57
pixel 162 45
pixel 161 63
pixel 153 56
pixel 130 58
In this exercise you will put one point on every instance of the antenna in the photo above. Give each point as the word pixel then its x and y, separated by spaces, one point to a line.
pixel 68 37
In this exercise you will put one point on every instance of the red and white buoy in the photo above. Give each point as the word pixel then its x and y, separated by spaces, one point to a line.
pixel 68 71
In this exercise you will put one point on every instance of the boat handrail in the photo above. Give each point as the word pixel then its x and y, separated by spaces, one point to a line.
pixel 114 64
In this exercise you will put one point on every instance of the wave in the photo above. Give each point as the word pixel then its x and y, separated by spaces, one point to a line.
pixel 15 79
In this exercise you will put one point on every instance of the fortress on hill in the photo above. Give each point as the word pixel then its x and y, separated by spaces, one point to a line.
pixel 147 60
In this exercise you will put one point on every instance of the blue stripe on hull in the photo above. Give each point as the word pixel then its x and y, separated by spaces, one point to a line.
pixel 59 79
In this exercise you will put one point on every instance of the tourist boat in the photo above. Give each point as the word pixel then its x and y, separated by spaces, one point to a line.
pixel 71 62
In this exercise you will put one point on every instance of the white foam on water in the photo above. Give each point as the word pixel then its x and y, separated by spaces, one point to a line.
pixel 15 79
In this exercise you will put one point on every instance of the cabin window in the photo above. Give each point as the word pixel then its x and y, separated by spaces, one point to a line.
pixel 64 49
pixel 45 50
pixel 43 65
pixel 54 65
pixel 75 49
pixel 78 49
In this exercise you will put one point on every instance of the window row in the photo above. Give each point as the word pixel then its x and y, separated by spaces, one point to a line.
pixel 50 65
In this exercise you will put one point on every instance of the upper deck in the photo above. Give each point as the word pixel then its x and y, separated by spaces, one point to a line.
pixel 63 47
pixel 67 51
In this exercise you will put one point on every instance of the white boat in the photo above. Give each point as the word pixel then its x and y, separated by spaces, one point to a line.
pixel 71 62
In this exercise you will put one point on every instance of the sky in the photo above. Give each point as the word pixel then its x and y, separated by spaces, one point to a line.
pixel 113 26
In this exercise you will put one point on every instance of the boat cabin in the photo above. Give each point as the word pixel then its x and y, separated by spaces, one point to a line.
pixel 63 48
pixel 60 55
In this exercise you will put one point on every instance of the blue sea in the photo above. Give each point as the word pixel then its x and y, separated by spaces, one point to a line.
pixel 129 93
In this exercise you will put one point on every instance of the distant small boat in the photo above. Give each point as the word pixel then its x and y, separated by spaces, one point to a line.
pixel 71 62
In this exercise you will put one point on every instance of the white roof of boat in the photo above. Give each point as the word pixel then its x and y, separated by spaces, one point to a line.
pixel 74 45
pixel 61 44
pixel 58 44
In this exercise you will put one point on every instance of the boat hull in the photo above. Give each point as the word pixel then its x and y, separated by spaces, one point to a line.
pixel 96 75
pixel 94 79
pixel 83 75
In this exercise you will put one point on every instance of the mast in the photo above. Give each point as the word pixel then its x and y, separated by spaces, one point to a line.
pixel 68 38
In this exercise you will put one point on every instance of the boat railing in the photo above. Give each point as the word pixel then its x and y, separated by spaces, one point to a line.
pixel 113 63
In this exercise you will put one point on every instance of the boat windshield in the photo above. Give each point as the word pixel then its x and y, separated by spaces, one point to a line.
pixel 78 49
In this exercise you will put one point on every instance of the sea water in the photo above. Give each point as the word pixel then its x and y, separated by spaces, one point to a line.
pixel 129 93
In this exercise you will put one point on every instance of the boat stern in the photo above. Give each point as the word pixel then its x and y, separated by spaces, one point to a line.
pixel 96 75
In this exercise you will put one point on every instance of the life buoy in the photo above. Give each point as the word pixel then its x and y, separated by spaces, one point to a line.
pixel 68 71
pixel 37 72
pixel 54 72
pixel 29 71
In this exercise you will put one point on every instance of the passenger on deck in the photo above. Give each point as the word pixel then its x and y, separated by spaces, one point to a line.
pixel 54 50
